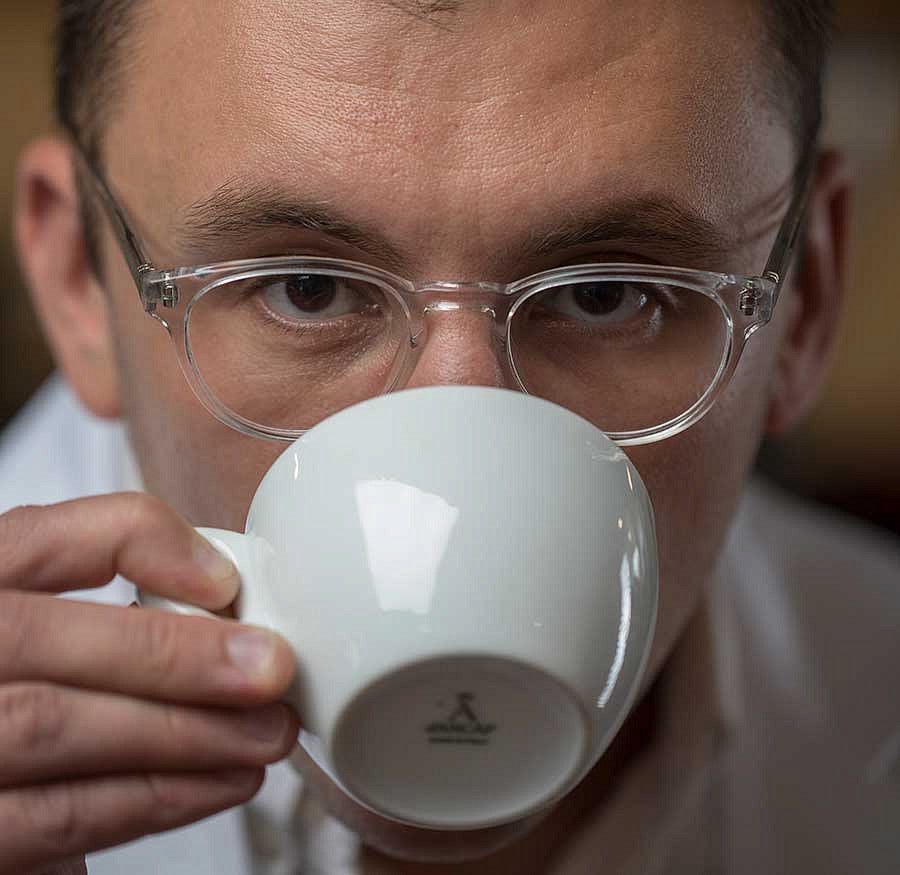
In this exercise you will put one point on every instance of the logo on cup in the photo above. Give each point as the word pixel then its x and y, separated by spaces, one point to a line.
pixel 461 727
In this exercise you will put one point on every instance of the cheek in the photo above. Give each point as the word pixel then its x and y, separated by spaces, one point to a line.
pixel 695 480
pixel 205 470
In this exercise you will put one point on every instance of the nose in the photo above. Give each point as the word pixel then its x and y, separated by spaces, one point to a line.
pixel 461 347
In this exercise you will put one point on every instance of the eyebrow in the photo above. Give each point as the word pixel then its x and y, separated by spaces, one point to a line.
pixel 232 213
pixel 658 220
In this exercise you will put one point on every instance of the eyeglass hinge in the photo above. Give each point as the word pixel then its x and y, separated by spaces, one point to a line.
pixel 168 297
pixel 749 299
pixel 169 294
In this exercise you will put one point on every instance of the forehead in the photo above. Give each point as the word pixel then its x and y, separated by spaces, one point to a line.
pixel 515 101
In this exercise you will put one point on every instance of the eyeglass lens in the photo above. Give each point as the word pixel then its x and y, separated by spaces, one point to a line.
pixel 285 350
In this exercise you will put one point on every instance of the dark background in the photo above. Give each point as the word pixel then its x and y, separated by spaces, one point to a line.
pixel 848 454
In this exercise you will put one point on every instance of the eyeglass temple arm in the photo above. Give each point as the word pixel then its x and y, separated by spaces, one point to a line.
pixel 783 248
pixel 138 263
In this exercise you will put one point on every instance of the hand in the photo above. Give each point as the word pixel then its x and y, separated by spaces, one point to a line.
pixel 117 722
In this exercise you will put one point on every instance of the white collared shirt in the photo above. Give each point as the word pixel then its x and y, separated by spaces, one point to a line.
pixel 806 619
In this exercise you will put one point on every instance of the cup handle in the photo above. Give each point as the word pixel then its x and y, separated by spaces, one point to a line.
pixel 234 545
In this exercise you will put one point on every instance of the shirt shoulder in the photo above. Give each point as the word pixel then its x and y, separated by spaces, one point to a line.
pixel 55 450
pixel 805 534
pixel 816 601
pixel 807 628
pixel 838 576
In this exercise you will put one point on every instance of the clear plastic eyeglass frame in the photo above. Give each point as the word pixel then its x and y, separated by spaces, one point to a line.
pixel 746 302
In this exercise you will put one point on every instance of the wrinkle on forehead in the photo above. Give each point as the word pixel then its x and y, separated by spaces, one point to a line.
pixel 511 103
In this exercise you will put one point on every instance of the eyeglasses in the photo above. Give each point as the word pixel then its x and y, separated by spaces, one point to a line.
pixel 271 346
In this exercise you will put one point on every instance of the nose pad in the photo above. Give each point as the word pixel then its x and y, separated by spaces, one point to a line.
pixel 461 347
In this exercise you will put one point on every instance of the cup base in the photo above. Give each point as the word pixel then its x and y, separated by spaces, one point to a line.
pixel 461 742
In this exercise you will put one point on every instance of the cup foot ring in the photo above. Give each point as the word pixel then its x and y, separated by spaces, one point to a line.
pixel 461 742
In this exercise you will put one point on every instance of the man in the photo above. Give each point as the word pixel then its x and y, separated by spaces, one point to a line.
pixel 460 141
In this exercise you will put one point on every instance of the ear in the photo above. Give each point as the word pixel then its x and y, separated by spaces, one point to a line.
pixel 67 296
pixel 812 299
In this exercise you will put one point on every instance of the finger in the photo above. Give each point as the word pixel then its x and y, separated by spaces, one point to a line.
pixel 72 866
pixel 145 653
pixel 85 543
pixel 50 733
pixel 54 822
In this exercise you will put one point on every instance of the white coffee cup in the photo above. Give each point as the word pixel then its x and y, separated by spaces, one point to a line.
pixel 468 578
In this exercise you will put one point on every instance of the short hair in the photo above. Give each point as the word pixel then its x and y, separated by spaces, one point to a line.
pixel 91 45
pixel 92 51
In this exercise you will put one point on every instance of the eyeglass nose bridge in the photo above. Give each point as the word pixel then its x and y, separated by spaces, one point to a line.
pixel 441 297
pixel 445 306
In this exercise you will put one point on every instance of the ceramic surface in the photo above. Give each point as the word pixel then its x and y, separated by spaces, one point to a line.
pixel 444 560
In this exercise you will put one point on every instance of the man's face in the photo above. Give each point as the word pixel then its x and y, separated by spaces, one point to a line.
pixel 456 138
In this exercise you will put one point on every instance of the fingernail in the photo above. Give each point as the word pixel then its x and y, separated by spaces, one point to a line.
pixel 218 566
pixel 253 652
pixel 264 724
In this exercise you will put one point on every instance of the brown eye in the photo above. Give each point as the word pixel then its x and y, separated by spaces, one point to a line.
pixel 599 303
pixel 310 294
pixel 599 299
pixel 311 297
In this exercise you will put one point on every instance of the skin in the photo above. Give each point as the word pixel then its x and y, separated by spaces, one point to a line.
pixel 455 138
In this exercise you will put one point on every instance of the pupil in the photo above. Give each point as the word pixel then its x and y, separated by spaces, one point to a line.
pixel 311 293
pixel 598 299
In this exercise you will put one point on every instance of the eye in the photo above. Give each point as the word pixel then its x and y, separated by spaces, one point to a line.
pixel 310 297
pixel 597 303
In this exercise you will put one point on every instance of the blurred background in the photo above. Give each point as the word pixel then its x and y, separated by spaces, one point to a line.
pixel 848 454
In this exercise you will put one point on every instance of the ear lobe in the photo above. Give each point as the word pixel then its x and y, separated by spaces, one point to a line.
pixel 812 300
pixel 67 296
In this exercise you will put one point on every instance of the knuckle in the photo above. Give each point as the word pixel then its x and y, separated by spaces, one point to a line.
pixel 146 518
pixel 53 816
pixel 176 727
pixel 15 628
pixel 171 798
pixel 17 525
pixel 144 512
pixel 158 643
pixel 33 717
